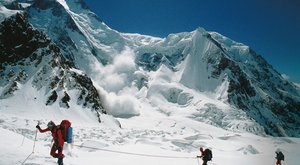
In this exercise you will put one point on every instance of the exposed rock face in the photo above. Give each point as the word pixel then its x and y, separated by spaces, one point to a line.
pixel 29 56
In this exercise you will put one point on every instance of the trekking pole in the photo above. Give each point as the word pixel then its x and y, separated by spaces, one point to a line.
pixel 36 131
pixel 32 148
pixel 34 141
pixel 198 160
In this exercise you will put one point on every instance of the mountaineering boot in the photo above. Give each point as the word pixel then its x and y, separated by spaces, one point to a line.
pixel 60 161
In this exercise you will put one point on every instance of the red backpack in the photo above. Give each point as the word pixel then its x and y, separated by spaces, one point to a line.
pixel 66 130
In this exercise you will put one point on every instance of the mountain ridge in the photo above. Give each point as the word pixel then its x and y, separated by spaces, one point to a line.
pixel 176 69
pixel 34 59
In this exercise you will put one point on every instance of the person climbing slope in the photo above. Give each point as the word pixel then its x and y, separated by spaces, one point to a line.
pixel 58 141
pixel 279 157
pixel 206 155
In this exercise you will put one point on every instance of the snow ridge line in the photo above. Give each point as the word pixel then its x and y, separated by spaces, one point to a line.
pixel 137 154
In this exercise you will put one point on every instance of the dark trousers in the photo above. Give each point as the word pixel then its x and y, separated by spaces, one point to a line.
pixel 55 148
pixel 278 162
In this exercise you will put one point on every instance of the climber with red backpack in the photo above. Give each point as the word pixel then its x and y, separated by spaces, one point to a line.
pixel 60 135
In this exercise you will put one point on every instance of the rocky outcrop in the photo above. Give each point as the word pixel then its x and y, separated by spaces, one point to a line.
pixel 29 56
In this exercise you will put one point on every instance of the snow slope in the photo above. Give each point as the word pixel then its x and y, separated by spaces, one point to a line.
pixel 152 139
pixel 164 97
pixel 195 74
pixel 4 12
pixel 128 67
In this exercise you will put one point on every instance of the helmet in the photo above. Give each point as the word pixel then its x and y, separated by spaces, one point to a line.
pixel 51 124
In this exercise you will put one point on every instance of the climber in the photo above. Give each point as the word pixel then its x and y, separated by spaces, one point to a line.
pixel 206 155
pixel 279 157
pixel 58 141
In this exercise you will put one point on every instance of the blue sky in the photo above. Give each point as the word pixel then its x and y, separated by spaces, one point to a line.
pixel 270 27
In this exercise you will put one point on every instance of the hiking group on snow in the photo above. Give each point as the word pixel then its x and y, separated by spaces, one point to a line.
pixel 63 133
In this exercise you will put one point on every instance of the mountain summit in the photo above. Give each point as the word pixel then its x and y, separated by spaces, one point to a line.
pixel 71 59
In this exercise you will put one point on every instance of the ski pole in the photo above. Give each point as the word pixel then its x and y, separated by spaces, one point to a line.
pixel 34 141
pixel 33 146
pixel 198 160
pixel 36 131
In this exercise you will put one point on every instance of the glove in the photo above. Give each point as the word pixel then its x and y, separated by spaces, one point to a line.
pixel 38 127
pixel 199 156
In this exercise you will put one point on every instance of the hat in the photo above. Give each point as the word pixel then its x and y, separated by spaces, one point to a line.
pixel 51 124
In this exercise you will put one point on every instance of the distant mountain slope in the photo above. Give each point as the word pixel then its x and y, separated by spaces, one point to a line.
pixel 80 34
pixel 28 56
pixel 199 74
pixel 207 61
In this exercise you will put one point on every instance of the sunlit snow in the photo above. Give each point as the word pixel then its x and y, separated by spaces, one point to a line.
pixel 161 116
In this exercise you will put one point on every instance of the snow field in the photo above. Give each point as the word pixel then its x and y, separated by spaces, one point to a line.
pixel 165 115
pixel 146 140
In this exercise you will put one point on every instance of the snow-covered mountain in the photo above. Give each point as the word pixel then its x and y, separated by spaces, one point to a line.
pixel 158 99
pixel 200 75
pixel 30 60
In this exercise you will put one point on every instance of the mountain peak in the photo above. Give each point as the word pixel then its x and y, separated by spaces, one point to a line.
pixel 196 72
pixel 30 59
pixel 201 30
